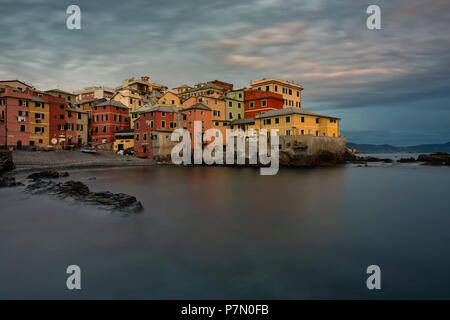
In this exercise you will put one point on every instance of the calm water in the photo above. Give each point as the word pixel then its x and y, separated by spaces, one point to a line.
pixel 233 234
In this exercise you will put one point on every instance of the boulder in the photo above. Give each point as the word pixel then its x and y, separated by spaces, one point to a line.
pixel 9 182
pixel 6 161
pixel 437 159
pixel 49 174
pixel 79 191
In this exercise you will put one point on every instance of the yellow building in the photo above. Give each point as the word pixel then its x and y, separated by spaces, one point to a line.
pixel 39 122
pixel 70 97
pixel 296 121
pixel 170 98
pixel 181 89
pixel 292 92
pixel 124 140
pixel 130 98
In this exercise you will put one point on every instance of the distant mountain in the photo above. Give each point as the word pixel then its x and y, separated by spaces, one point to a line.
pixel 387 148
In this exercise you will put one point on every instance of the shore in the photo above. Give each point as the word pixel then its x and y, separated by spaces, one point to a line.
pixel 28 161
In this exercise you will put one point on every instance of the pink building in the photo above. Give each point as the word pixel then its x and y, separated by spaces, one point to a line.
pixel 14 117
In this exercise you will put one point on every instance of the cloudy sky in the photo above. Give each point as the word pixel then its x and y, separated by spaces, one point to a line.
pixel 389 86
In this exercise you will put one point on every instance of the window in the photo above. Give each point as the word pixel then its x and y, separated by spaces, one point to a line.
pixel 79 116
pixel 151 123
pixel 61 116
pixel 290 92
pixel 22 128
pixel 267 88
pixel 264 103
pixel 303 119
pixel 231 115
pixel 239 105
pixel 137 125
pixel 230 104
pixel 317 120
pixel 163 114
pixel 252 104
pixel 288 132
pixel 137 137
pixel 276 88
pixel 69 114
pixel 104 128
pixel 23 103
pixel 268 121
pixel 163 124
pixel 317 132
pixel 303 131
pixel 61 106
pixel 277 120
pixel 173 101
pixel 145 137
pixel 239 116
pixel 288 119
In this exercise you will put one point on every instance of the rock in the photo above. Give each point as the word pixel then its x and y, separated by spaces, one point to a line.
pixel 406 160
pixel 320 159
pixel 436 159
pixel 6 161
pixel 79 191
pixel 49 174
pixel 9 182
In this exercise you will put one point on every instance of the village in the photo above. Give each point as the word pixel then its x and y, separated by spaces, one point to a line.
pixel 138 116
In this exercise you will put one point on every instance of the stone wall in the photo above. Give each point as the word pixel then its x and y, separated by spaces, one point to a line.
pixel 106 146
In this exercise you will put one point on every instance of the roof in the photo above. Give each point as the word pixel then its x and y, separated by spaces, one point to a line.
pixel 124 133
pixel 243 121
pixel 90 100
pixel 161 108
pixel 29 86
pixel 162 130
pixel 36 99
pixel 60 91
pixel 289 111
pixel 112 103
pixel 284 82
pixel 197 106
pixel 182 86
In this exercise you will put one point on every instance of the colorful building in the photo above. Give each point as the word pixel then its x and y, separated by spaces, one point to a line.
pixel 197 112
pixel 124 140
pixel 39 122
pixel 17 84
pixel 92 93
pixel 258 102
pixel 107 118
pixel 181 89
pixel 291 92
pixel 70 97
pixel 234 105
pixel 159 117
pixel 296 121
pixel 171 99
pixel 142 86
pixel 82 126
pixel 14 117
pixel 214 88
pixel 218 110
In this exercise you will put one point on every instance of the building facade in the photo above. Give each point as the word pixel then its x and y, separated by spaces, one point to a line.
pixel 291 92
pixel 258 102
pixel 107 118
pixel 39 122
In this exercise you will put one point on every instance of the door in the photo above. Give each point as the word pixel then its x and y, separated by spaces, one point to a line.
pixel 19 145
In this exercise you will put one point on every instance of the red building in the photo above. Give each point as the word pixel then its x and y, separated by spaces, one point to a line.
pixel 225 85
pixel 107 118
pixel 156 118
pixel 14 117
pixel 58 107
pixel 197 112
pixel 71 126
pixel 257 102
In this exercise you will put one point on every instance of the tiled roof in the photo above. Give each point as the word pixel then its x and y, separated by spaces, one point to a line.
pixel 198 106
pixel 288 111
pixel 112 103
pixel 243 121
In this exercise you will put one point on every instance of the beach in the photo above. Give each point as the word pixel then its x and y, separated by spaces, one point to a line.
pixel 27 161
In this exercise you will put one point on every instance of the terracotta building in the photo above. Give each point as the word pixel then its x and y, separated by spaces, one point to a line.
pixel 107 118
pixel 258 102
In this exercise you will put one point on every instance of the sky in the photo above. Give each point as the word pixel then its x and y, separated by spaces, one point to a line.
pixel 388 86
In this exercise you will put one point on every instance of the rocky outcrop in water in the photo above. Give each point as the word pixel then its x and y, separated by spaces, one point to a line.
pixel 320 159
pixel 437 159
pixel 80 192
pixel 9 182
pixel 49 174
pixel 6 161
